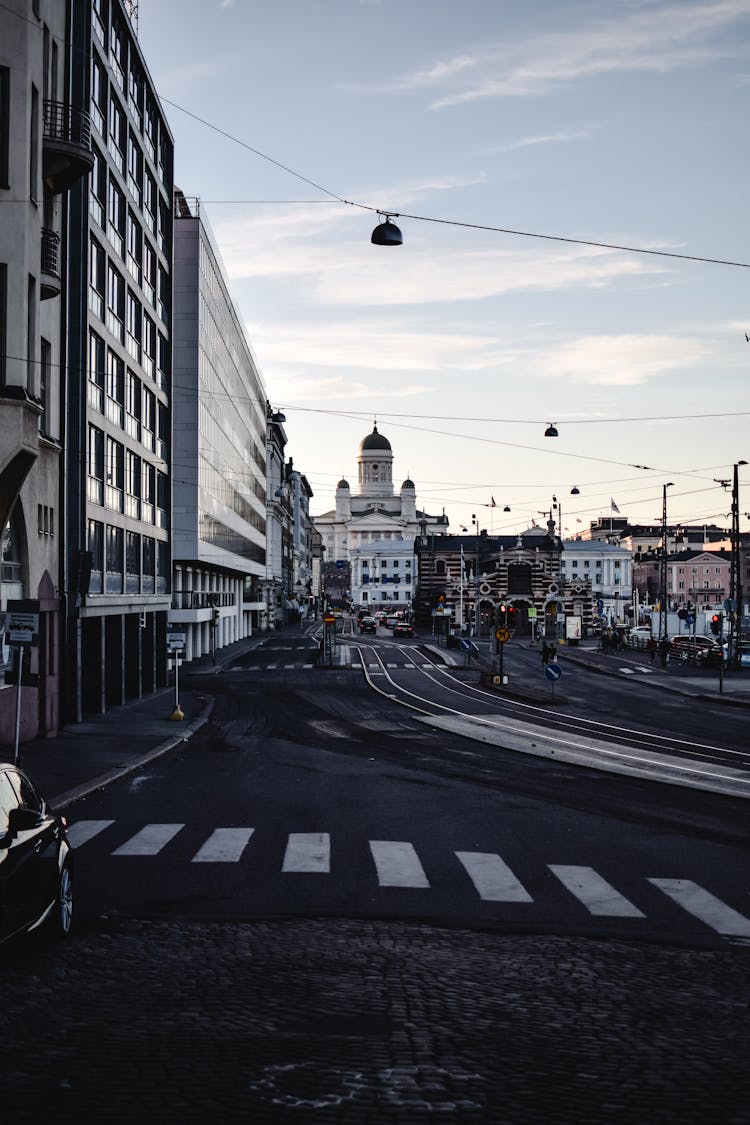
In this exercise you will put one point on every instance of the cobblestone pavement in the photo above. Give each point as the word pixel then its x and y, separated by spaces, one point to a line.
pixel 369 1023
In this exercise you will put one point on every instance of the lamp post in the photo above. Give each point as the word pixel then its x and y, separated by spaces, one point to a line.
pixel 735 578
pixel 664 630
pixel 475 523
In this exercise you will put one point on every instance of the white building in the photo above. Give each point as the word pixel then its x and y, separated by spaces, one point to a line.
pixel 376 526
pixel 219 490
pixel 602 571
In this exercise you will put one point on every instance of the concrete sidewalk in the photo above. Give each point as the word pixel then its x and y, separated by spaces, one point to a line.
pixel 85 756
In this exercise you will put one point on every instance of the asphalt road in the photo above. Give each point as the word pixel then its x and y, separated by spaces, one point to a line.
pixel 321 909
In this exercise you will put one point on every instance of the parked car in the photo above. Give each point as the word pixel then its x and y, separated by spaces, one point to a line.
pixel 403 629
pixel 391 621
pixel 36 860
pixel 701 650
pixel 367 625
pixel 639 636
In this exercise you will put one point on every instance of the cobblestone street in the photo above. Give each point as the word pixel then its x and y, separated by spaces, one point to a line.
pixel 311 1021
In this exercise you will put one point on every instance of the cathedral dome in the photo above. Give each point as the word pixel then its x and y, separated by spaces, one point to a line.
pixel 374 441
pixel 408 483
pixel 343 483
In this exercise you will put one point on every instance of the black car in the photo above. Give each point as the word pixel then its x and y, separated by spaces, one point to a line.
pixel 36 860
pixel 367 625
pixel 403 629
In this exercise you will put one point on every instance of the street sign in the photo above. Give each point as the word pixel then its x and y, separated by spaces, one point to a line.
pixel 531 614
pixel 465 644
pixel 175 640
pixel 329 619
pixel 553 672
pixel 22 628
pixel 502 635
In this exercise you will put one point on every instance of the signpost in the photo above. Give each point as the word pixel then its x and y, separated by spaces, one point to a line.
pixel 553 672
pixel 329 636
pixel 502 636
pixel 176 645
pixel 21 630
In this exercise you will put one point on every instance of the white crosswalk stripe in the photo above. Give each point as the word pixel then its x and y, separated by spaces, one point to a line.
pixel 493 879
pixel 84 830
pixel 397 864
pixel 224 845
pixel 705 906
pixel 596 894
pixel 150 840
pixel 308 852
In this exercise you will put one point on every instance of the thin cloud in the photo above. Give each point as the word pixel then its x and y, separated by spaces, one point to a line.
pixel 620 361
pixel 543 139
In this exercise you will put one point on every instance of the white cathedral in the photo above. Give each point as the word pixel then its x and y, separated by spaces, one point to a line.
pixel 373 530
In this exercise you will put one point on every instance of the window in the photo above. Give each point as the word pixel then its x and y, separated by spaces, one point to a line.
pixel 115 465
pixel 133 316
pixel 115 388
pixel 98 94
pixel 165 226
pixel 164 157
pixel 150 127
pixel 149 272
pixel 116 138
pixel 116 218
pixel 617 566
pixel 45 374
pixel 148 419
pixel 96 465
pixel 164 295
pixel 98 187
pixel 148 359
pixel 133 406
pixel 162 432
pixel 113 575
pixel 149 201
pixel 96 372
pixel 97 259
pixel 4 126
pixel 586 563
pixel 148 572
pixel 31 310
pixel 135 93
pixel 96 549
pixel 135 248
pixel 133 475
pixel 162 377
pixel 132 562
pixel 148 492
pixel 162 567
pixel 135 170
pixel 162 499
pixel 99 20
pixel 115 303
pixel 34 145
pixel 117 51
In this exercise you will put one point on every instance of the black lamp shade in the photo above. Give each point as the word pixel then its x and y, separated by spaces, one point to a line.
pixel 387 234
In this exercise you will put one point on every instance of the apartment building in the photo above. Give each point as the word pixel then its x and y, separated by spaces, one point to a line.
pixel 119 310
pixel 44 154
pixel 219 464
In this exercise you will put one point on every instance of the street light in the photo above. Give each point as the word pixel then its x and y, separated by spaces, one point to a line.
pixel 735 574
pixel 663 576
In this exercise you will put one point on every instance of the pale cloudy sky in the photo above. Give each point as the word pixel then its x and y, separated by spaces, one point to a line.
pixel 612 121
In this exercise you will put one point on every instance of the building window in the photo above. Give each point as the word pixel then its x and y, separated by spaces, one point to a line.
pixel 96 465
pixel 97 260
pixel 148 499
pixel 97 187
pixel 133 395
pixel 115 303
pixel 148 419
pixel 45 374
pixel 148 576
pixel 34 145
pixel 4 126
pixel 149 201
pixel 135 93
pixel 96 548
pixel 98 95
pixel 132 562
pixel 135 170
pixel 113 576
pixel 133 326
pixel 117 52
pixel 115 465
pixel 135 248
pixel 116 218
pixel 96 372
pixel 133 475
pixel 115 388
pixel 116 137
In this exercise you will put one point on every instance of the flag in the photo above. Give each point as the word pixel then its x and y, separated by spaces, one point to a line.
pixel 492 502
pixel 614 506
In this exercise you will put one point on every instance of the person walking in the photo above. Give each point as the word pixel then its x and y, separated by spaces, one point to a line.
pixel 651 648
pixel 546 652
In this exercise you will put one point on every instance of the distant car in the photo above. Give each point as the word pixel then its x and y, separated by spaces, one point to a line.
pixel 367 625
pixel 36 860
pixel 403 629
pixel 639 635
pixel 391 620
pixel 701 650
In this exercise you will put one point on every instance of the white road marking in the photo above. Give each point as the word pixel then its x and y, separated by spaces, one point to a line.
pixel 84 830
pixel 705 907
pixel 596 894
pixel 150 840
pixel 224 845
pixel 309 852
pixel 397 864
pixel 492 878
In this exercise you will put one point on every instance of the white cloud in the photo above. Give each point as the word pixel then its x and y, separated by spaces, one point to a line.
pixel 644 39
pixel 620 361
pixel 543 139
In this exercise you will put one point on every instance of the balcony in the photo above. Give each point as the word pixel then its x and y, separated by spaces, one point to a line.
pixel 51 282
pixel 66 147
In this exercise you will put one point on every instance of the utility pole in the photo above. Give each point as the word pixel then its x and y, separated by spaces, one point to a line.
pixel 735 578
pixel 664 630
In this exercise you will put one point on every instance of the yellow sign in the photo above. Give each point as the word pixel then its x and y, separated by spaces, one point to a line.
pixel 502 635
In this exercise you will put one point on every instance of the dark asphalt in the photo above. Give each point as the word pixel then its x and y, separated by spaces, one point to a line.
pixel 350 1021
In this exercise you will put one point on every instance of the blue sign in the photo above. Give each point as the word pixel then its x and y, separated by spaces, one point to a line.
pixel 600 605
pixel 690 619
pixel 553 672
pixel 464 645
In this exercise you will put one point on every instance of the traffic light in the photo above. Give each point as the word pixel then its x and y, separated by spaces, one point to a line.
pixel 717 622
pixel 502 613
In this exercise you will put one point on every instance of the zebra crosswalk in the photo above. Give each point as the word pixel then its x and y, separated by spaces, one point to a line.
pixel 397 864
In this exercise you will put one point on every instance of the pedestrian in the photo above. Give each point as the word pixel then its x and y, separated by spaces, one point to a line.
pixel 546 651
pixel 664 651
pixel 552 654
pixel 651 648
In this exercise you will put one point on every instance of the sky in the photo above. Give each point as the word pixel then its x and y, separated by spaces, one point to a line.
pixel 616 122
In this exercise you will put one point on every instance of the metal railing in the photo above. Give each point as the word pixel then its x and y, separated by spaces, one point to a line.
pixel 62 122
pixel 50 252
